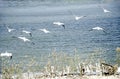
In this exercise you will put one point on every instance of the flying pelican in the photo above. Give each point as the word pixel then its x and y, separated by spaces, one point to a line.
pixel 59 24
pixel 6 54
pixel 76 17
pixel 9 29
pixel 44 30
pixel 27 32
pixel 79 17
pixel 24 39
pixel 105 10
pixel 99 29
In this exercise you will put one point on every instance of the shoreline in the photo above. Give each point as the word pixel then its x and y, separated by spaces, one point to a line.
pixel 32 75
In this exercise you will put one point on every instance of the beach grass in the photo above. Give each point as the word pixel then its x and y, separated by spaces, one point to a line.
pixel 56 65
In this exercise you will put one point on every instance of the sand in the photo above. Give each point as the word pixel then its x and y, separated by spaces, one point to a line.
pixel 77 77
pixel 41 76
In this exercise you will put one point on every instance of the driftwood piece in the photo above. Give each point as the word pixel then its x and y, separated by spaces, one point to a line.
pixel 108 69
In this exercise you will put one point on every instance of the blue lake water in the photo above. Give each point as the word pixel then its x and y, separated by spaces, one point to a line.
pixel 76 35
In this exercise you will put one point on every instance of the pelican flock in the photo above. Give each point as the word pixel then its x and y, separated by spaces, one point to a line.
pixel 88 70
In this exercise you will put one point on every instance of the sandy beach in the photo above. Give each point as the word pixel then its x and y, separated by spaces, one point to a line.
pixel 32 75
pixel 73 77
pixel 85 77
pixel 70 77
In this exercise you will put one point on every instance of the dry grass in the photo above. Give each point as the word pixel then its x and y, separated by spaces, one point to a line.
pixel 118 49
pixel 58 66
pixel 118 55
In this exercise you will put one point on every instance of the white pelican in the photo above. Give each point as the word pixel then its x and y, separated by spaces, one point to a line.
pixel 6 54
pixel 24 39
pixel 44 30
pixel 27 32
pixel 9 29
pixel 79 17
pixel 105 10
pixel 97 28
pixel 59 24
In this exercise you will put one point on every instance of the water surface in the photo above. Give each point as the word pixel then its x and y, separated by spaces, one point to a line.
pixel 76 35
